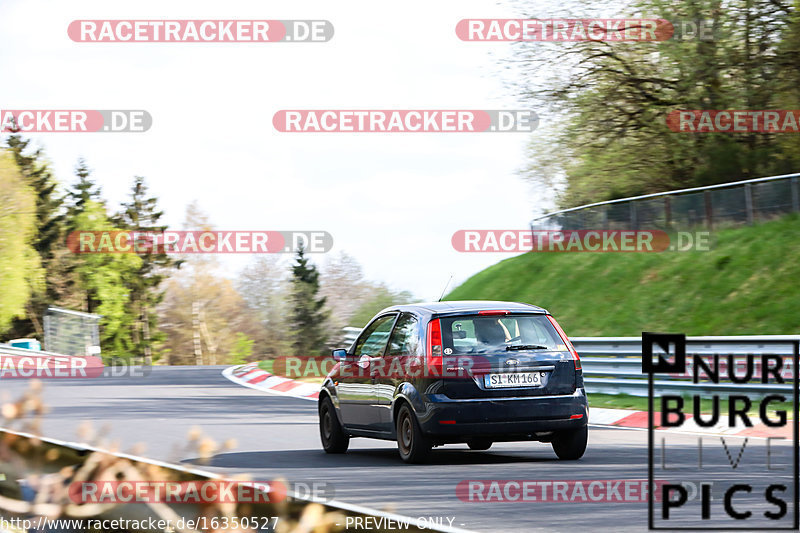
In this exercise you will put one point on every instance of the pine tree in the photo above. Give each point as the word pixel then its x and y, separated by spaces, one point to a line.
pixel 83 191
pixel 38 175
pixel 309 316
pixel 141 214
pixel 49 222
pixel 100 281
pixel 80 199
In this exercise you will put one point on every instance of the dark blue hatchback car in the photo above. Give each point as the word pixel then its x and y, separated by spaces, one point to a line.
pixel 473 372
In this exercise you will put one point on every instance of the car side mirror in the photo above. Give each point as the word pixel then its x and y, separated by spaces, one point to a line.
pixel 339 355
pixel 459 334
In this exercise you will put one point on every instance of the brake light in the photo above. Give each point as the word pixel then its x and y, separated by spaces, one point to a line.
pixel 434 353
pixel 494 312
pixel 568 344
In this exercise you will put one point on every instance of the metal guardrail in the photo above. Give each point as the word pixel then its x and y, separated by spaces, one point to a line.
pixel 733 203
pixel 8 350
pixel 350 335
pixel 613 365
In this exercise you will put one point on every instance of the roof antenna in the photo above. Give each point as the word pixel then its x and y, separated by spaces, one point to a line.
pixel 445 288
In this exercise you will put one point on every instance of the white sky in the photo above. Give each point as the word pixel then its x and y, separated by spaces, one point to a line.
pixel 392 201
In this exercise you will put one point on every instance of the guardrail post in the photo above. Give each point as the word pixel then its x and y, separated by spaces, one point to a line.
pixel 605 216
pixel 667 212
pixel 47 332
pixel 795 195
pixel 748 203
pixel 634 218
pixel 709 210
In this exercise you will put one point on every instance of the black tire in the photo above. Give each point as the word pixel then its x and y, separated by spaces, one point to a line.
pixel 412 444
pixel 570 445
pixel 479 444
pixel 333 437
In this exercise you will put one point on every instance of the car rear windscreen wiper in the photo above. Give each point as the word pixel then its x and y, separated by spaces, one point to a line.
pixel 526 347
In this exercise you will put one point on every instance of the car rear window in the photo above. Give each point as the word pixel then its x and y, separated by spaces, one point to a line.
pixel 480 334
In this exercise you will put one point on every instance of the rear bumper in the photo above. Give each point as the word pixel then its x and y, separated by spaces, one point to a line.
pixel 502 419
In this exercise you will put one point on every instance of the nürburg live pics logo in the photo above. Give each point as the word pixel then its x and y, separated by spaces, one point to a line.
pixel 725 453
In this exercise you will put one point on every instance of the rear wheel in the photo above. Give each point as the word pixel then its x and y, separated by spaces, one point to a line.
pixel 570 444
pixel 334 439
pixel 412 444
pixel 479 444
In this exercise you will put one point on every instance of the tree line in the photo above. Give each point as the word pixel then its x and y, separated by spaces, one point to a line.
pixel 604 133
pixel 155 305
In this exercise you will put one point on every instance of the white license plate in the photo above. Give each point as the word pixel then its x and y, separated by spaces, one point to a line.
pixel 517 379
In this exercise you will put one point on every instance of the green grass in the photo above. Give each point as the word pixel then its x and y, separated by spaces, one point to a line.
pixel 746 284
pixel 618 401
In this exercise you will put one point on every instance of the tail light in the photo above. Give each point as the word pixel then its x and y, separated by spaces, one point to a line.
pixel 567 343
pixel 434 354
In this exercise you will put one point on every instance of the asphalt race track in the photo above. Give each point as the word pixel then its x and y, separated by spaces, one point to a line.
pixel 278 437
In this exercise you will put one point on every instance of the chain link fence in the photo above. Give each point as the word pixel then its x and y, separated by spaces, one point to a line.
pixel 70 332
pixel 715 206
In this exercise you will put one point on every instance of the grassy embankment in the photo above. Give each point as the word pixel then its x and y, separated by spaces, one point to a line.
pixel 746 284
